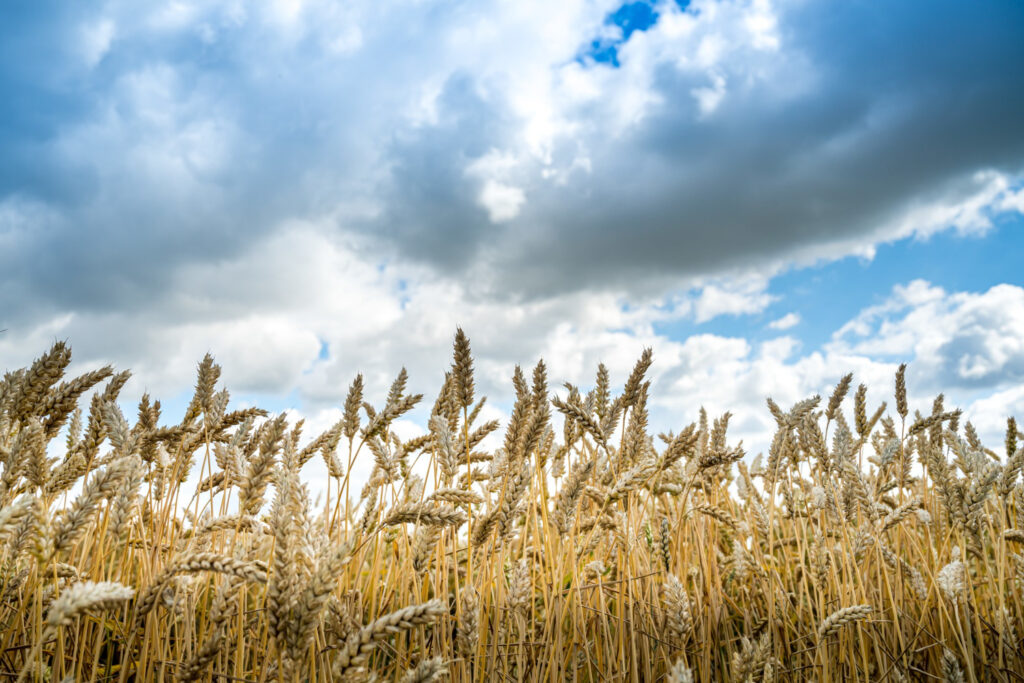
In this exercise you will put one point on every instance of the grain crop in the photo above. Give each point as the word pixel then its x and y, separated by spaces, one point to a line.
pixel 577 546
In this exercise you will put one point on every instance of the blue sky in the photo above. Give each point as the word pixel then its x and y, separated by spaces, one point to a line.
pixel 827 295
pixel 770 193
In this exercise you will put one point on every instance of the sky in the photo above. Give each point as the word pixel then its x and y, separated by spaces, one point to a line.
pixel 769 193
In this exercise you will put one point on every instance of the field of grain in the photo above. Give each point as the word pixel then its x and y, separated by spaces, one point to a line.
pixel 875 544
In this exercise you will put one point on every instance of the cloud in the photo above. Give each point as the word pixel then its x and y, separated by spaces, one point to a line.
pixel 966 345
pixel 786 322
pixel 306 327
pixel 732 296
pixel 966 340
pixel 731 135
pixel 501 201
pixel 95 40
pixel 815 151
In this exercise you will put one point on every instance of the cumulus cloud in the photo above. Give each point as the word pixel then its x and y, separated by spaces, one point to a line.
pixel 732 296
pixel 967 340
pixel 967 345
pixel 785 322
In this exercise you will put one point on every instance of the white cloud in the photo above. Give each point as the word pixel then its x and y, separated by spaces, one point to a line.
pixel 174 15
pixel 786 322
pixel 710 97
pixel 349 39
pixel 1012 201
pixel 961 339
pixel 501 201
pixel 968 211
pixel 96 38
pixel 265 326
pixel 763 25
pixel 988 414
pixel 732 296
pixel 270 117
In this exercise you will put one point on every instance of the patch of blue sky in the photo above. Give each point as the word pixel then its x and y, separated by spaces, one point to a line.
pixel 403 293
pixel 629 18
pixel 829 295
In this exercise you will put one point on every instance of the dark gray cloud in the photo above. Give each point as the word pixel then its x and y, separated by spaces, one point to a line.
pixel 908 105
pixel 431 211
pixel 187 141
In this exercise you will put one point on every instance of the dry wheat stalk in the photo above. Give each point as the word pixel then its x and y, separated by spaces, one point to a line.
pixel 810 521
pixel 72 602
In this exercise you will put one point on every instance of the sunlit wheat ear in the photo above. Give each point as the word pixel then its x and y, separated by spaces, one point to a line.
pixel 11 516
pixel 679 673
pixel 458 496
pixel 751 658
pixel 424 546
pixel 468 623
pixel 665 543
pixel 427 671
pixel 62 402
pixel 462 370
pixel 725 518
pixel 952 580
pixel 198 562
pixel 72 603
pixel 46 371
pixel 102 485
pixel 424 513
pixel 593 570
pixel 834 622
pixel 311 602
pixel 520 587
pixel 1011 470
pixel 951 671
pixel 361 645
pixel 219 614
pixel 86 596
pixel 678 619
pixel 123 505
pixel 899 514
pixel 837 396
pixel 568 498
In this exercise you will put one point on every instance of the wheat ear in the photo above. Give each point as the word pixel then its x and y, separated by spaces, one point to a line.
pixel 840 618
pixel 361 645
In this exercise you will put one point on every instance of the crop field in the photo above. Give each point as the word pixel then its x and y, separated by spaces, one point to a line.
pixel 869 543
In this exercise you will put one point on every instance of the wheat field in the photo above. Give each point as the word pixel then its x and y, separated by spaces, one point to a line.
pixel 878 545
